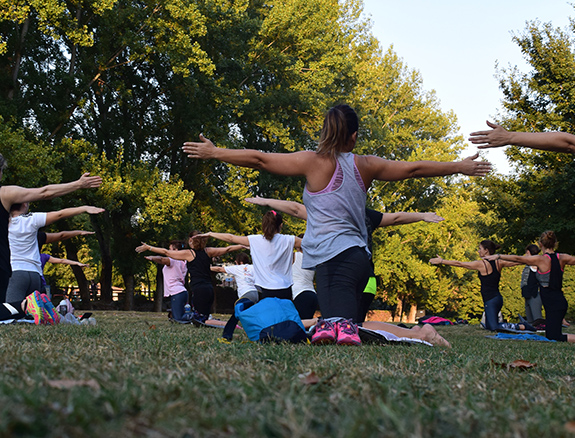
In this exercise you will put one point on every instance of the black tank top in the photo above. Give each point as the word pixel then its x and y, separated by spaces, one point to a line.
pixel 555 275
pixel 5 268
pixel 490 282
pixel 199 269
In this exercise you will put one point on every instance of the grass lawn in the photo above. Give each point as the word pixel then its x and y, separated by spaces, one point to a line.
pixel 136 374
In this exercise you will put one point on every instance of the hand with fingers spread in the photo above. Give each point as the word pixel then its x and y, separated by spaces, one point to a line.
pixel 203 149
pixel 432 217
pixel 143 247
pixel 88 182
pixel 494 138
pixel 471 167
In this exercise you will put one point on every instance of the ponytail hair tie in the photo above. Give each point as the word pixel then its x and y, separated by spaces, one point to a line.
pixel 274 212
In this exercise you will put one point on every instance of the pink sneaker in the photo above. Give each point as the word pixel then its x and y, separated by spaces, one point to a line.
pixel 347 333
pixel 34 307
pixel 53 317
pixel 325 333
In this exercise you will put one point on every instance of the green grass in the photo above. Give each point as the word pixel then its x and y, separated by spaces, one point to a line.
pixel 157 379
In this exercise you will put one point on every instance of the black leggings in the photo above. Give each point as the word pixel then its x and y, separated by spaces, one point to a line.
pixel 340 283
pixel 284 294
pixel 306 304
pixel 11 311
pixel 203 298
pixel 555 306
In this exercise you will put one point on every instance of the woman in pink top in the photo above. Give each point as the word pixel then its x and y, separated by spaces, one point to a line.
pixel 174 272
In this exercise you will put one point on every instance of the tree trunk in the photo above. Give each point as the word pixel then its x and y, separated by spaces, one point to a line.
pixel 159 295
pixel 398 311
pixel 412 314
pixel 106 260
pixel 129 291
pixel 72 254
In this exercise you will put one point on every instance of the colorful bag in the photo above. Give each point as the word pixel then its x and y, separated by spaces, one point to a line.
pixel 270 320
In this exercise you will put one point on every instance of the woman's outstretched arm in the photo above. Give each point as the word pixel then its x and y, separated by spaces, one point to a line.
pixel 498 136
pixel 474 265
pixel 176 255
pixel 227 237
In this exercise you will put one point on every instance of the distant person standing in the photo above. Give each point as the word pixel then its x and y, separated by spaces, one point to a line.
pixel 530 288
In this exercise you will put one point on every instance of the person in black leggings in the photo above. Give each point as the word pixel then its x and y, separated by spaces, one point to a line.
pixel 489 272
pixel 550 267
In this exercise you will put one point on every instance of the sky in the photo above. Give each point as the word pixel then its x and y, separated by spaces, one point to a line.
pixel 456 44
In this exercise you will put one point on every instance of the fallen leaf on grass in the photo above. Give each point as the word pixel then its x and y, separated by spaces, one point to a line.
pixel 200 343
pixel 420 361
pixel 309 378
pixel 516 364
pixel 69 384
pixel 570 426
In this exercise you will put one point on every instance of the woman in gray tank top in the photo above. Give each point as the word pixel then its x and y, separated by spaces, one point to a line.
pixel 335 194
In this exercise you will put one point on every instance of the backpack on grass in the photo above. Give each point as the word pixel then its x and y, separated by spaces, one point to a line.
pixel 270 320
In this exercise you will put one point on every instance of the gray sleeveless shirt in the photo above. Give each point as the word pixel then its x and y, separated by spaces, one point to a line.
pixel 335 215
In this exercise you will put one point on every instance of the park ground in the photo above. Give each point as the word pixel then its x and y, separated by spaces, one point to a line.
pixel 135 374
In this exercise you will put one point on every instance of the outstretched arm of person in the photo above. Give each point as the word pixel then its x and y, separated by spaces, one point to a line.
pixel 292 208
pixel 290 164
pixel 159 260
pixel 67 262
pixel 474 265
pixel 219 251
pixel 378 168
pixel 227 237
pixel 403 218
pixel 546 141
pixel 176 255
pixel 218 269
pixel 542 262
pixel 16 194
pixel 65 235
pixel 54 216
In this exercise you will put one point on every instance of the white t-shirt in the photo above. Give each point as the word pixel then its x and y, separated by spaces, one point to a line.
pixel 272 260
pixel 22 235
pixel 174 277
pixel 244 275
pixel 302 278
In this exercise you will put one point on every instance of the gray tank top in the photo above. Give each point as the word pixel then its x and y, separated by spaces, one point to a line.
pixel 335 215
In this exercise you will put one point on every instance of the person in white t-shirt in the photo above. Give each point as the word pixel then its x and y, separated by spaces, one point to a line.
pixel 243 273
pixel 174 273
pixel 271 254
pixel 24 252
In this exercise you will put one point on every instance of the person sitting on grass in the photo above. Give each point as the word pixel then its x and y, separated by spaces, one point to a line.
pixel 550 267
pixel 489 272
pixel 25 253
pixel 243 273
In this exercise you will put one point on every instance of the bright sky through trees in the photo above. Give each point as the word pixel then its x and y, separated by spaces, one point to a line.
pixel 455 45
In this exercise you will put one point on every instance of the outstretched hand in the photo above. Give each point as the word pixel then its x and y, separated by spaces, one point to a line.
pixel 436 260
pixel 432 217
pixel 257 200
pixel 94 210
pixel 203 149
pixel 471 167
pixel 90 182
pixel 143 247
pixel 86 233
pixel 496 137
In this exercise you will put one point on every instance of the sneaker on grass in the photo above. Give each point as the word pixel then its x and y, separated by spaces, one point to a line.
pixel 325 333
pixel 347 333
pixel 35 308
pixel 53 317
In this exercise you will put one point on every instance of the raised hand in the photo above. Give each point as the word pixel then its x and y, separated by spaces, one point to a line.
pixel 89 182
pixel 471 167
pixel 204 149
pixel 494 138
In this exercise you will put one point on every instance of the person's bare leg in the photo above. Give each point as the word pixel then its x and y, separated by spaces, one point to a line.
pixel 425 333
pixel 570 338
pixel 307 323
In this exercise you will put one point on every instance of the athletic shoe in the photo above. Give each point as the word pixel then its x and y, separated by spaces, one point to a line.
pixel 35 308
pixel 53 317
pixel 325 333
pixel 347 333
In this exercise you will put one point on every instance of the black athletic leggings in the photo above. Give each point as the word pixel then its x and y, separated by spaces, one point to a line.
pixel 203 298
pixel 11 311
pixel 555 306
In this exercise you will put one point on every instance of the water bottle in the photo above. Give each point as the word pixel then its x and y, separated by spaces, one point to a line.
pixel 187 309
